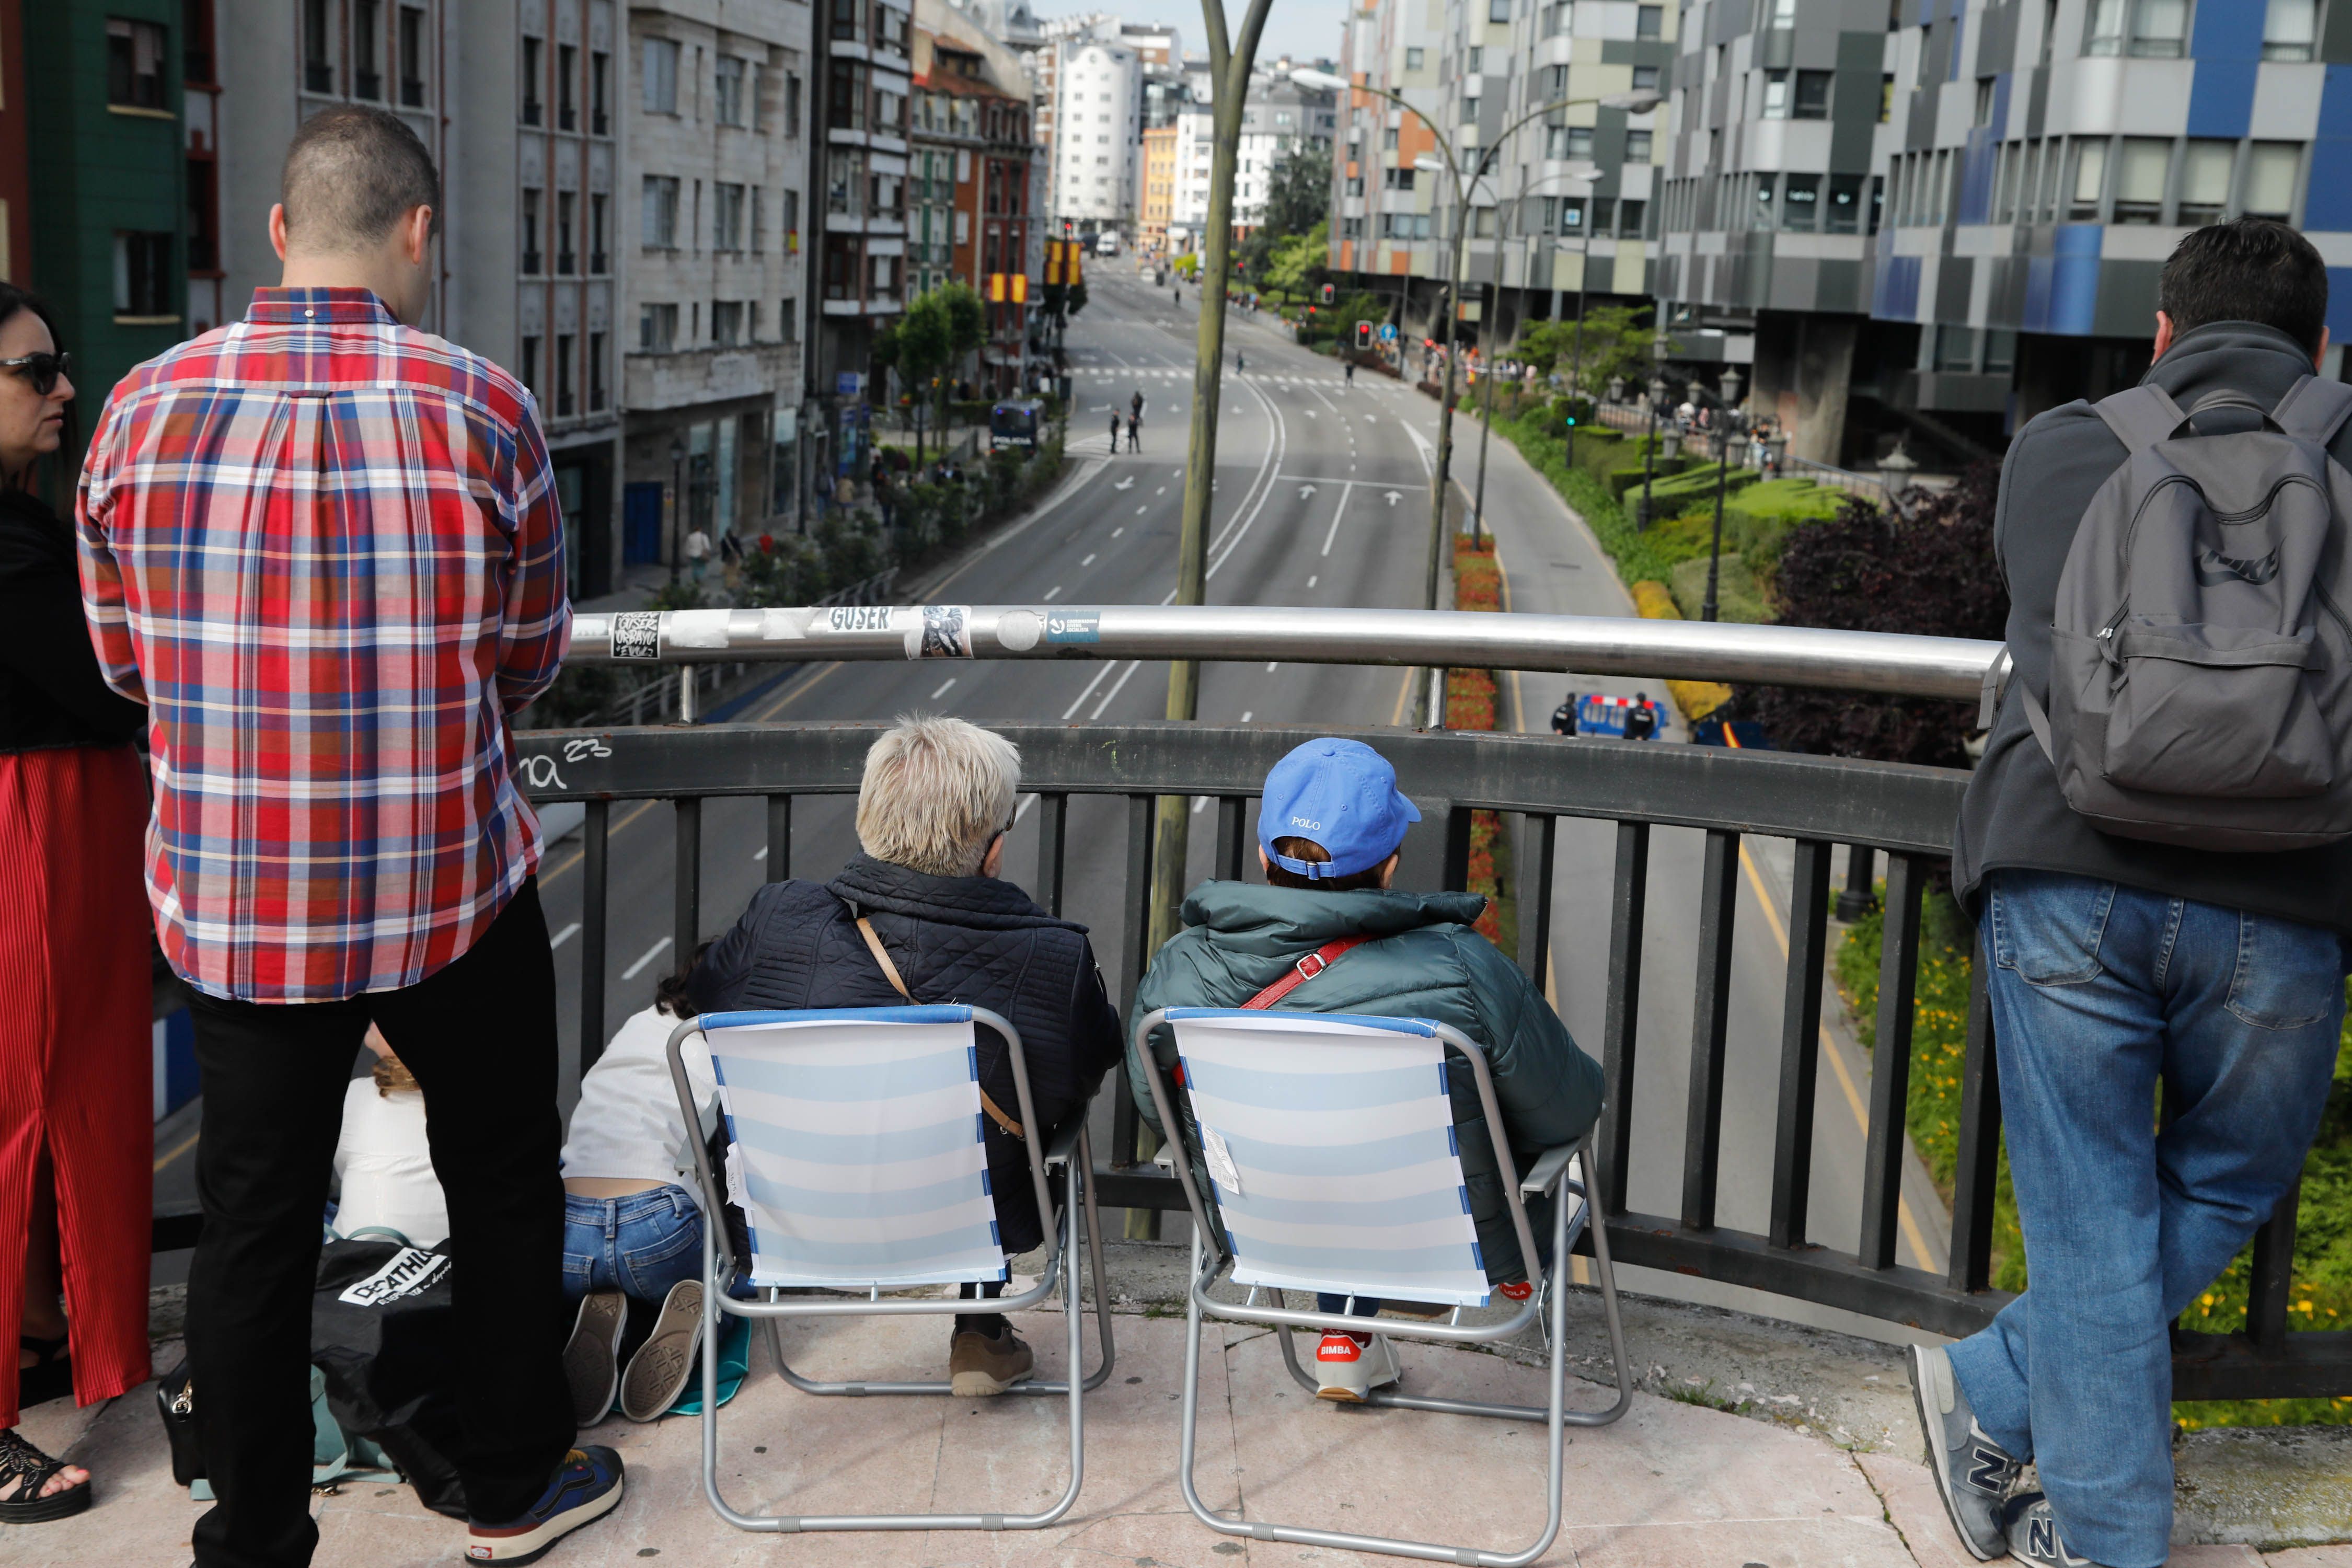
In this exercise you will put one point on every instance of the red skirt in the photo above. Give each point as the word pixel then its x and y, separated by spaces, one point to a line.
pixel 76 1063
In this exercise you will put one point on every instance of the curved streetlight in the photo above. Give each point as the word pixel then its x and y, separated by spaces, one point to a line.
pixel 1640 102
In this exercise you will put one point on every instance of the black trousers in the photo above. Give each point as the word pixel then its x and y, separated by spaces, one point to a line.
pixel 479 1035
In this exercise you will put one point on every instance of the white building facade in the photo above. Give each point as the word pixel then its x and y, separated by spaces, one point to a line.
pixel 1098 130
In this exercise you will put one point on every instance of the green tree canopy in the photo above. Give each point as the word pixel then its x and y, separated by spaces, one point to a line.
pixel 1298 262
pixel 1616 342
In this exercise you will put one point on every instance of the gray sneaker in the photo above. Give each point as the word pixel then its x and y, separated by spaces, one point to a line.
pixel 2032 1532
pixel 1973 1472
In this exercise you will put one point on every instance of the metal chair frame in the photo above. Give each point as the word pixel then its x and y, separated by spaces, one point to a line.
pixel 1548 1174
pixel 1073 1150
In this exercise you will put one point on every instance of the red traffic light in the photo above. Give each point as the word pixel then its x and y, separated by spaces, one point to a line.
pixel 1327 293
pixel 1364 334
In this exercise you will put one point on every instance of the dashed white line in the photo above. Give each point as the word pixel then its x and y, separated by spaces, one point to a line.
pixel 1160 492
pixel 1119 530
pixel 762 855
pixel 942 692
pixel 1311 582
pixel 1056 588
pixel 1272 667
pixel 1116 687
pixel 1071 711
pixel 1144 508
pixel 1089 561
pixel 566 934
pixel 639 966
pixel 1247 716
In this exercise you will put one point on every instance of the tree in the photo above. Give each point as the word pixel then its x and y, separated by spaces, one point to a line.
pixel 924 339
pixel 1299 197
pixel 1616 342
pixel 1929 572
pixel 966 321
pixel 1297 262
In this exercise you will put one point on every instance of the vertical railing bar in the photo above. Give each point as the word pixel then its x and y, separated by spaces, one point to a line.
pixel 1800 1045
pixel 2273 1272
pixel 1231 809
pixel 780 838
pixel 1052 845
pixel 1978 1159
pixel 1629 893
pixel 1457 848
pixel 687 879
pixel 1710 1016
pixel 595 831
pixel 1535 924
pixel 1890 1066
pixel 1141 809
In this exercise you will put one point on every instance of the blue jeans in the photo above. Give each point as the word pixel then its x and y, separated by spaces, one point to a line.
pixel 640 1245
pixel 1366 1306
pixel 2099 992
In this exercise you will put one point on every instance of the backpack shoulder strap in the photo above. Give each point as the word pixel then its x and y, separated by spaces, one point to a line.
pixel 1307 968
pixel 1011 1128
pixel 2140 416
pixel 2313 410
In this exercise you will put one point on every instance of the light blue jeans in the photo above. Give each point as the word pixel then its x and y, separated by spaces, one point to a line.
pixel 2098 993
pixel 640 1245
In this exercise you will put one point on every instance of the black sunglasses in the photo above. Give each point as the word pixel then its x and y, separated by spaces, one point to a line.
pixel 41 370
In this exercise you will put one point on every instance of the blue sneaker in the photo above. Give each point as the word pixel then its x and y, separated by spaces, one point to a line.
pixel 587 1487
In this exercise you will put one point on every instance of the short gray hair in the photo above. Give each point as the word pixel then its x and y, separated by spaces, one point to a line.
pixel 937 791
pixel 351 173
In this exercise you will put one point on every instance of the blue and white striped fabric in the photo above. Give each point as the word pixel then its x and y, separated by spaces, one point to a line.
pixel 1329 1139
pixel 857 1139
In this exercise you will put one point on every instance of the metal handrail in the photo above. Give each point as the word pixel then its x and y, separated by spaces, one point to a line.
pixel 1589 645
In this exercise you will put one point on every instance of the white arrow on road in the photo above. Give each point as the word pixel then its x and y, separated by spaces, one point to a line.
pixel 1305 490
pixel 1394 498
pixel 1124 483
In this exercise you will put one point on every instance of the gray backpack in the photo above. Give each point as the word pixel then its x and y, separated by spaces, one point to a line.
pixel 2201 663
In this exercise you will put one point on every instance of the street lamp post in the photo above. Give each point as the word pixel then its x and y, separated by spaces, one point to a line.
pixel 676 502
pixel 1584 174
pixel 1729 442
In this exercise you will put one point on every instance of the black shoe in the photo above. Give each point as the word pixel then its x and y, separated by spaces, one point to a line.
pixel 2032 1532
pixel 24 1472
pixel 1973 1473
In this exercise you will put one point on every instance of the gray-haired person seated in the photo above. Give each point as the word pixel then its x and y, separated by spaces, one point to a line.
pixel 923 915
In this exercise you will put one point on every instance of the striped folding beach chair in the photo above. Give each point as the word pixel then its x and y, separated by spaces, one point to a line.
pixel 1328 1140
pixel 854 1153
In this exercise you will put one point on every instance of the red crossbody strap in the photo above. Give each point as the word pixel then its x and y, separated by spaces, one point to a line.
pixel 1308 966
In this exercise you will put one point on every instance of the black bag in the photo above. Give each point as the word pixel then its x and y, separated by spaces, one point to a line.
pixel 176 1402
pixel 383 1330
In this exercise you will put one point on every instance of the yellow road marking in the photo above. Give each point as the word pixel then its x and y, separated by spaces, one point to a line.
pixel 185 1144
pixel 1836 1057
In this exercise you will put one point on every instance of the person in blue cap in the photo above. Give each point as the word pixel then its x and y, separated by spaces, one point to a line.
pixel 1330 825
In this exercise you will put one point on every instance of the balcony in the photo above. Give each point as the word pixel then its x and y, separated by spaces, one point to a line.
pixel 566 264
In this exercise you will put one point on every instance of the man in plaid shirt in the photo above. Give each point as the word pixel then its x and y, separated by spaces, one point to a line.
pixel 324 548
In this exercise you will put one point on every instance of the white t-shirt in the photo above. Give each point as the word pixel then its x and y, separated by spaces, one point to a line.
pixel 385 1168
pixel 627 1121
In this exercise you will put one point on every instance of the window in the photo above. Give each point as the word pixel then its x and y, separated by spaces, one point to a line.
pixel 962 228
pixel 1413 59
pixel 657 329
pixel 660 73
pixel 134 64
pixel 1984 101
pixel 1844 215
pixel 197 42
pixel 564 407
pixel 1955 350
pixel 1355 186
pixel 1481 223
pixel 1649 21
pixel 1762 217
pixel 596 395
pixel 2140 175
pixel 1498 10
pixel 412 57
pixel 567 87
pixel 1646 78
pixel 729 96
pixel 367 36
pixel 1469 111
pixel 1877 201
pixel 203 214
pixel 1800 200
pixel 2149 28
pixel 1555 18
pixel 727 322
pixel 2090 177
pixel 567 213
pixel 1568 142
pixel 1887 98
pixel 788 321
pixel 531 73
pixel 2205 182
pixel 659 203
pixel 758 230
pixel 1388 140
pixel 726 216
pixel 1396 179
pixel 1637 146
pixel 1783 15
pixel 1351 229
pixel 1630 214
pixel 142 276
pixel 530 257
pixel 530 364
pixel 599 253
pixel 600 98
pixel 2290 28
pixel 2270 170
pixel 1812 95
pixel 1476 64
pixel 791 221
pixel 1776 95
pixel 318 48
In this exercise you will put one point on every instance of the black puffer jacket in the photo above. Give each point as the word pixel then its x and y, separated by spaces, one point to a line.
pixel 973 939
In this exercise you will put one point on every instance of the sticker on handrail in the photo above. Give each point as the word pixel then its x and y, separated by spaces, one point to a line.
pixel 1083 627
pixel 857 618
pixel 947 632
pixel 636 634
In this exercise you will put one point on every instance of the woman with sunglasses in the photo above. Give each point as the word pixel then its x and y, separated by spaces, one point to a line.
pixel 76 1124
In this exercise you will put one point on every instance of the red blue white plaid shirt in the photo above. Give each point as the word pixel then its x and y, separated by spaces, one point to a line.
pixel 326 551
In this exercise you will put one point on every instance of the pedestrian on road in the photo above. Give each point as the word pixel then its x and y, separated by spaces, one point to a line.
pixel 1348 374
pixel 75 1039
pixel 1563 718
pixel 1640 719
pixel 1114 432
pixel 326 526
pixel 2118 963
pixel 697 553
pixel 1135 403
pixel 1134 424
pixel 1239 365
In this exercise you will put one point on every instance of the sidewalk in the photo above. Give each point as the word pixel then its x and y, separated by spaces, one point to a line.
pixel 1672 1484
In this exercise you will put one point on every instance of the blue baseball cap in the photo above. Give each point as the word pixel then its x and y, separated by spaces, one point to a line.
pixel 1342 795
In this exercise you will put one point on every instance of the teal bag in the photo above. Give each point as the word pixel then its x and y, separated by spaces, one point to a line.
pixel 336 1456
pixel 734 1365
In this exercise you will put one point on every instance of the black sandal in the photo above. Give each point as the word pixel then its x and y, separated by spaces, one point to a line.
pixel 50 1377
pixel 31 1470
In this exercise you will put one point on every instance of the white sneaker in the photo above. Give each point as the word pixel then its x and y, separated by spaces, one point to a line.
pixel 1347 1371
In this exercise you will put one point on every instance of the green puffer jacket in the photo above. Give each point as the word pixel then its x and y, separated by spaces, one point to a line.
pixel 1425 962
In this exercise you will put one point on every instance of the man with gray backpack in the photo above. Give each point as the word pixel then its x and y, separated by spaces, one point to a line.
pixel 2157 847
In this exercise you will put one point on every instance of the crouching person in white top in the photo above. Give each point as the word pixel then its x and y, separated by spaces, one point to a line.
pixel 632 1221
pixel 383 1171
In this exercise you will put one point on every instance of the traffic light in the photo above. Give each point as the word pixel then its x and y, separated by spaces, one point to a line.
pixel 1327 293
pixel 1363 336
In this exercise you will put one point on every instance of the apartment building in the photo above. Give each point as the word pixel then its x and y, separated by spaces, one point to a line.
pixel 1193 152
pixel 971 216
pixel 1279 118
pixel 1167 94
pixel 1931 226
pixel 866 88
pixel 1097 143
pixel 1566 209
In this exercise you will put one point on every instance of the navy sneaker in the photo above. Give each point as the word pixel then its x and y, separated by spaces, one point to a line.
pixel 2033 1537
pixel 587 1487
pixel 1973 1473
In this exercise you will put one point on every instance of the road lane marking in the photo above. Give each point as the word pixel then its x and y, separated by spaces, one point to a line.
pixel 1119 530
pixel 642 807
pixel 639 966
pixel 182 1147
pixel 942 692
pixel 1200 804
pixel 1052 591
pixel 1310 581
pixel 1837 1057
pixel 1144 508
pixel 1089 559
pixel 1271 473
pixel 566 934
pixel 1336 512
pixel 762 854
pixel 1101 675
pixel 1116 687
pixel 1023 809
pixel 1247 716
pixel 1272 667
